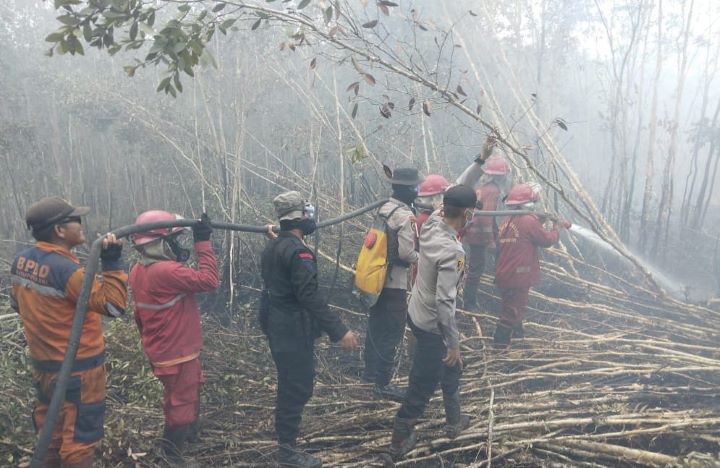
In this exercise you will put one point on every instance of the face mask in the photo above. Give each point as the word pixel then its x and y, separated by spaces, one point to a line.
pixel 307 226
pixel 181 255
pixel 405 193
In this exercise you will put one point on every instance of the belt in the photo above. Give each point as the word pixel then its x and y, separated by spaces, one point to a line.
pixel 78 366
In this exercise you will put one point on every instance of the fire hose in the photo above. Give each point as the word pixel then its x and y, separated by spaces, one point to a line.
pixel 91 267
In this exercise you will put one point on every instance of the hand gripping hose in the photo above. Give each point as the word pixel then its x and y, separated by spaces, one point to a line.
pixel 82 304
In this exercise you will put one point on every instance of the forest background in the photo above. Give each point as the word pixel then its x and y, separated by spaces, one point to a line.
pixel 612 104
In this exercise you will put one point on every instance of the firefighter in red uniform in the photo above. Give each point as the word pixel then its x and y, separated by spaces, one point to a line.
pixel 481 235
pixel 167 315
pixel 518 263
pixel 46 281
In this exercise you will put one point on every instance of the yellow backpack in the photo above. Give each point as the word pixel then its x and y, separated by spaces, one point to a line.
pixel 373 260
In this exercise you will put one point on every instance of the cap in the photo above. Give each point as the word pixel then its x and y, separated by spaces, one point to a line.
pixel 289 205
pixel 461 196
pixel 52 210
pixel 405 176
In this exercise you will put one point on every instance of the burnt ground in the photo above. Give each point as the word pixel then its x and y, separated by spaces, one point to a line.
pixel 603 378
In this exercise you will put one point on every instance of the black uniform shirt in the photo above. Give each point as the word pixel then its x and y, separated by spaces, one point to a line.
pixel 298 313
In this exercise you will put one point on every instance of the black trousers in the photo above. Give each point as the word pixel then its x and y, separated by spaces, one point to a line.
pixel 476 255
pixel 386 326
pixel 427 372
pixel 296 377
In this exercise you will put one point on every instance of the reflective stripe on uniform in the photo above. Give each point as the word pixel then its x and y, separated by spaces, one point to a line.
pixel 39 288
pixel 166 305
pixel 78 366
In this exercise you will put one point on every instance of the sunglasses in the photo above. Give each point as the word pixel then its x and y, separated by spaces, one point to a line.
pixel 74 219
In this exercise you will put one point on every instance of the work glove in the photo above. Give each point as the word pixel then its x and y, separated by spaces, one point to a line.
pixel 487 150
pixel 111 253
pixel 202 230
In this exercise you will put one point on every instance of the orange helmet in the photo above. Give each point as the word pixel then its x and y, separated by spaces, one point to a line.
pixel 433 184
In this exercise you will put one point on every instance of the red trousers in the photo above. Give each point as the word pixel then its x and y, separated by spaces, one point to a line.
pixel 514 305
pixel 181 396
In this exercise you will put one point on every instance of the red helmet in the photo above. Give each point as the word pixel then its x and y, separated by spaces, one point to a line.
pixel 433 184
pixel 523 193
pixel 154 216
pixel 496 166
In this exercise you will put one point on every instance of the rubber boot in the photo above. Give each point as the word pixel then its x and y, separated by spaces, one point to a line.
pixel 389 392
pixel 501 338
pixel 86 462
pixel 404 437
pixel 517 331
pixel 291 456
pixel 455 421
pixel 172 443
pixel 193 436
pixel 52 458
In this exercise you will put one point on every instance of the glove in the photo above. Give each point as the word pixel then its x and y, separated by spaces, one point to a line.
pixel 111 253
pixel 565 224
pixel 202 230
pixel 486 150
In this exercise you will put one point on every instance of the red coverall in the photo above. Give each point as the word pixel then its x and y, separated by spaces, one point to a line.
pixel 168 318
pixel 46 282
pixel 518 264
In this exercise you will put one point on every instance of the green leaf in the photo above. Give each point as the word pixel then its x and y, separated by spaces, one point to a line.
pixel 133 31
pixel 87 33
pixel 176 80
pixel 256 24
pixel 146 29
pixel 228 22
pixel 219 7
pixel 55 37
pixel 184 8
pixel 78 48
pixel 303 4
pixel 130 70
pixel 328 14
pixel 112 15
pixel 163 84
pixel 179 47
pixel 68 19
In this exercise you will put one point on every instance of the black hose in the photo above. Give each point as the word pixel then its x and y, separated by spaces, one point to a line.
pixel 81 309
pixel 90 270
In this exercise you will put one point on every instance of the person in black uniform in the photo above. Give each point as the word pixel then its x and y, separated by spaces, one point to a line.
pixel 293 314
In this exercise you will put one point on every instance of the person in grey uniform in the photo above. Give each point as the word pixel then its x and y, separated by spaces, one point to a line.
pixel 388 317
pixel 432 319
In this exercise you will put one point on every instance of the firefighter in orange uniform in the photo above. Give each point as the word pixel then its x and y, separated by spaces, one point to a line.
pixel 46 281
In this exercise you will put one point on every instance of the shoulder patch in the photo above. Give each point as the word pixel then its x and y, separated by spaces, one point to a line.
pixel 306 256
